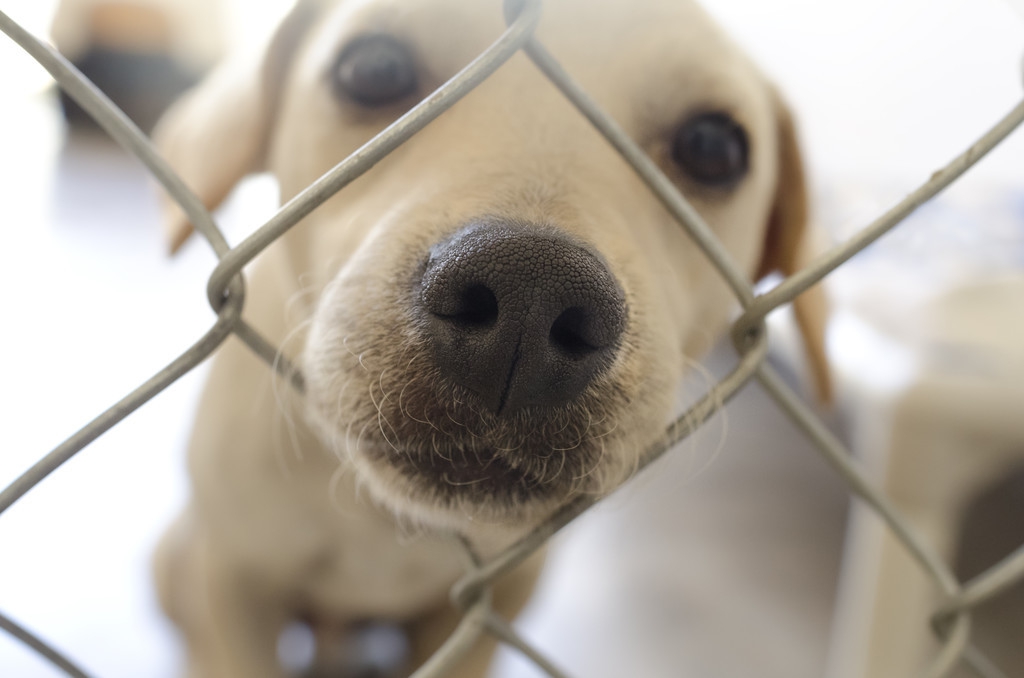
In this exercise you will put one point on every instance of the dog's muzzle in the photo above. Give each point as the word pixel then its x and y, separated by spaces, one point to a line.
pixel 519 314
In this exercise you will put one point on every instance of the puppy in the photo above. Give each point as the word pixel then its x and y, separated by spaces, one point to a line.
pixel 491 322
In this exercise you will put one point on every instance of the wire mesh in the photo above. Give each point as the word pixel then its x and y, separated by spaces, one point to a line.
pixel 226 294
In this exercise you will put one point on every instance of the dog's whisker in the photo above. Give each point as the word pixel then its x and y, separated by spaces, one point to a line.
pixel 565 425
pixel 452 419
pixel 339 411
pixel 476 455
pixel 607 432
pixel 462 483
pixel 382 420
pixel 286 403
pixel 589 471
pixel 401 405
pixel 401 398
pixel 719 409
pixel 359 438
pixel 561 466
pixel 438 452
pixel 545 477
pixel 345 345
pixel 306 290
pixel 334 490
pixel 582 435
pixel 362 358
pixel 485 465
pixel 348 446
pixel 383 392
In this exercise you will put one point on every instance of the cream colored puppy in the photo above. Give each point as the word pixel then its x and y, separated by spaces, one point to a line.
pixel 491 322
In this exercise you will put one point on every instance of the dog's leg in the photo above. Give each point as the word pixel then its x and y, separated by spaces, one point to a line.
pixel 511 593
pixel 229 621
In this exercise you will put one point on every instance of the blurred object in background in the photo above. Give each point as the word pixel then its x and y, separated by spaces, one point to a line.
pixel 142 53
pixel 940 441
pixel 928 346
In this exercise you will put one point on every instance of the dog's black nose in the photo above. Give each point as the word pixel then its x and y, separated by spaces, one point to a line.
pixel 520 314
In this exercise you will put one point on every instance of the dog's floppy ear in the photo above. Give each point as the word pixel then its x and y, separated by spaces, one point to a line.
pixel 219 132
pixel 790 244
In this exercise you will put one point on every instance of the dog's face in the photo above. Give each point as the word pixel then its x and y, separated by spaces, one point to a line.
pixel 503 308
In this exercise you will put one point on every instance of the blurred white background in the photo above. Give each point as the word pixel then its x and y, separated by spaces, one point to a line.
pixel 886 92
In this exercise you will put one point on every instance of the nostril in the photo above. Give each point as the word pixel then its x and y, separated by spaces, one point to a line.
pixel 568 333
pixel 477 307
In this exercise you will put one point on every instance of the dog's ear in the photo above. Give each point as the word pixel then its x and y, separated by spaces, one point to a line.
pixel 219 132
pixel 790 244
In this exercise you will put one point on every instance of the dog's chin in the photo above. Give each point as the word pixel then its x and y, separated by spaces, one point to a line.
pixel 445 488
pixel 430 451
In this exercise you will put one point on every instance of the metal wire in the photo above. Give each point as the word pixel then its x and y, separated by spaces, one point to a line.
pixel 226 294
pixel 794 285
pixel 504 631
pixel 44 649
pixel 986 585
pixel 655 179
pixel 465 635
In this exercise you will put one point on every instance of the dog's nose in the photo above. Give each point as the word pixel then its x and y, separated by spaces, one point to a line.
pixel 522 315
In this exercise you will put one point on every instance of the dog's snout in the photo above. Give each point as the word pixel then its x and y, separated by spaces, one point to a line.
pixel 521 315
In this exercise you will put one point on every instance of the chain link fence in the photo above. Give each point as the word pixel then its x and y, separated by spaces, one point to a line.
pixel 226 293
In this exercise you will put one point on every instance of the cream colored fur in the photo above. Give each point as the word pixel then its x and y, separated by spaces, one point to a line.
pixel 289 513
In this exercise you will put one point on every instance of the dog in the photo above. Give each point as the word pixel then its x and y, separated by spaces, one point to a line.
pixel 491 322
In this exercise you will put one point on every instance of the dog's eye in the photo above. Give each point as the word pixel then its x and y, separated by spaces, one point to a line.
pixel 375 70
pixel 712 148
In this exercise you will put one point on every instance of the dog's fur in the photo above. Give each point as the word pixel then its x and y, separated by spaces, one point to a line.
pixel 300 505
